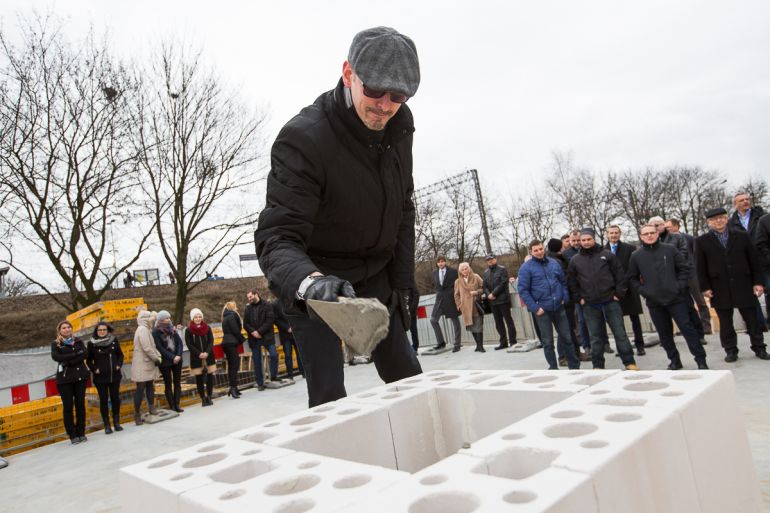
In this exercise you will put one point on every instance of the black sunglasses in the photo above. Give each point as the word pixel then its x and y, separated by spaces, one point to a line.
pixel 374 93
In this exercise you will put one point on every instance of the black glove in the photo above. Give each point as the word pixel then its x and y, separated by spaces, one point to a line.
pixel 401 300
pixel 329 288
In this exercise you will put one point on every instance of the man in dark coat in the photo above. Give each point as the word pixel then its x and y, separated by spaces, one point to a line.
pixel 630 303
pixel 746 218
pixel 286 335
pixel 660 273
pixel 597 282
pixel 730 276
pixel 499 297
pixel 258 319
pixel 444 279
pixel 556 249
pixel 339 217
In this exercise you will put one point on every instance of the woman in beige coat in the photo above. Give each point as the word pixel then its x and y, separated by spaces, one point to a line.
pixel 144 364
pixel 468 289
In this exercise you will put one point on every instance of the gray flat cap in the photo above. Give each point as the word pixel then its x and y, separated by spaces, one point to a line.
pixel 385 60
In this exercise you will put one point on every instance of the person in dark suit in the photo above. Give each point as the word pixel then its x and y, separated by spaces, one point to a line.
pixel 730 276
pixel 444 278
pixel 499 297
pixel 630 304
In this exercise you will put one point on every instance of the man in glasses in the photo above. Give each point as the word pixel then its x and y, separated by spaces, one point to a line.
pixel 339 218
pixel 660 273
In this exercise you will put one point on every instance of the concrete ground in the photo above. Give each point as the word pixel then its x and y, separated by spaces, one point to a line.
pixel 84 478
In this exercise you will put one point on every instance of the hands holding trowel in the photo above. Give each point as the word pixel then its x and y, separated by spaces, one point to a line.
pixel 328 288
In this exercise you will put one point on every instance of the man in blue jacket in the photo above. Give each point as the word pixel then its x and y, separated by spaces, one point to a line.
pixel 543 287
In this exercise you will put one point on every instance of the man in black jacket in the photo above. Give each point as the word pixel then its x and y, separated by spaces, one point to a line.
pixel 499 297
pixel 746 218
pixel 630 303
pixel 286 334
pixel 660 273
pixel 339 218
pixel 729 275
pixel 258 322
pixel 597 282
pixel 444 279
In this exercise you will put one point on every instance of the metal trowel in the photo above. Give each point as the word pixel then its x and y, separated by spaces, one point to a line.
pixel 360 322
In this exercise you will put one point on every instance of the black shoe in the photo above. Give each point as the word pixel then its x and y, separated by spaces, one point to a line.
pixel 675 365
pixel 439 346
pixel 730 358
pixel 703 342
pixel 116 424
pixel 107 429
pixel 563 361
pixel 456 349
pixel 762 355
pixel 260 387
pixel 233 392
pixel 75 440
pixel 640 351
pixel 501 346
pixel 608 349
pixel 177 409
pixel 83 439
pixel 702 365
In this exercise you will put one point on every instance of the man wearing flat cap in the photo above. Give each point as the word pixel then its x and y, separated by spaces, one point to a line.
pixel 339 218
pixel 730 275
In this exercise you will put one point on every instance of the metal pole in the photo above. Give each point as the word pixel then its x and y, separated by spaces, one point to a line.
pixel 475 177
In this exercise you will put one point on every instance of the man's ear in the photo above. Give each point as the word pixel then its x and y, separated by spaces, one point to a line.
pixel 347 74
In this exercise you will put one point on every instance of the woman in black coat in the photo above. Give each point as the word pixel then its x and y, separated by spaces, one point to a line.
pixel 71 377
pixel 105 360
pixel 200 342
pixel 169 345
pixel 232 337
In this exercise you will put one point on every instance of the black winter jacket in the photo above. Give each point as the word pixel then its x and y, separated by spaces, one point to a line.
pixel 280 320
pixel 496 282
pixel 596 275
pixel 259 317
pixel 339 201
pixel 659 272
pixel 107 359
pixel 167 354
pixel 756 214
pixel 198 344
pixel 231 328
pixel 72 362
pixel 762 241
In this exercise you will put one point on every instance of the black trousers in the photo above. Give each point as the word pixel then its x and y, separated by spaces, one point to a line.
pixel 109 392
pixel 729 338
pixel 636 326
pixel 73 394
pixel 569 309
pixel 209 378
pixel 172 383
pixel 288 342
pixel 502 315
pixel 144 388
pixel 662 317
pixel 321 354
pixel 233 363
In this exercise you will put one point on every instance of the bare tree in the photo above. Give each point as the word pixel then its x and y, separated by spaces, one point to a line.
pixel 66 166
pixel 640 195
pixel 199 152
pixel 693 191
pixel 14 286
pixel 755 187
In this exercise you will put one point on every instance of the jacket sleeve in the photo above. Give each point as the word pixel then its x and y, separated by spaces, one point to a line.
pixel 294 192
pixel 633 275
pixel 525 286
pixel 160 346
pixel 90 361
pixel 485 282
pixel 502 275
pixel 621 285
pixel 701 267
pixel 762 237
pixel 562 279
pixel 119 352
pixel 209 342
pixel 267 325
pixel 247 322
pixel 755 266
pixel 401 267
pixel 572 281
pixel 66 358
pixel 178 345
pixel 457 294
pixel 188 338
pixel 683 270
pixel 147 343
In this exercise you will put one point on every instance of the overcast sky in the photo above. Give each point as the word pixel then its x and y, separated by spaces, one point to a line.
pixel 619 84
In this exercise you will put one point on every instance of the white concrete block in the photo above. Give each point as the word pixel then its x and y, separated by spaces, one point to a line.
pixel 637 459
pixel 156 484
pixel 338 430
pixel 302 482
pixel 449 378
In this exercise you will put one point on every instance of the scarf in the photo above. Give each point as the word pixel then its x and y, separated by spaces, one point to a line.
pixel 167 332
pixel 68 341
pixel 200 330
pixel 101 342
pixel 722 237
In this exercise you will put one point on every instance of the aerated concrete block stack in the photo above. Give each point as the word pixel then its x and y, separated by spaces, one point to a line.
pixel 577 441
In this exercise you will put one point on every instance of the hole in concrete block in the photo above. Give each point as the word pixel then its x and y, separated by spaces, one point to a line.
pixel 672 393
pixel 686 376
pixel 302 429
pixel 433 480
pixel 202 461
pixel 349 411
pixel 475 372
pixel 258 437
pixel 621 401
pixel 352 481
pixel 647 386
pixel 519 497
pixel 162 463
pixel 521 374
pixel 569 430
pixel 240 472
pixel 480 378
pixel 308 464
pixel 513 436
pixel 181 476
pixel 622 417
pixel 232 494
pixel 271 424
pixel 637 376
pixel 392 389
pixel 575 373
pixel 589 380
pixel 599 392
pixel 519 462
pixel 365 395
pixel 448 377
pixel 310 419
pixel 549 385
pixel 251 452
pixel 434 373
pixel 499 383
pixel 321 409
pixel 294 484
pixel 566 414
pixel 210 448
pixel 593 444
pixel 391 396
pixel 540 379
pixel 446 502
pixel 412 381
pixel 297 506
